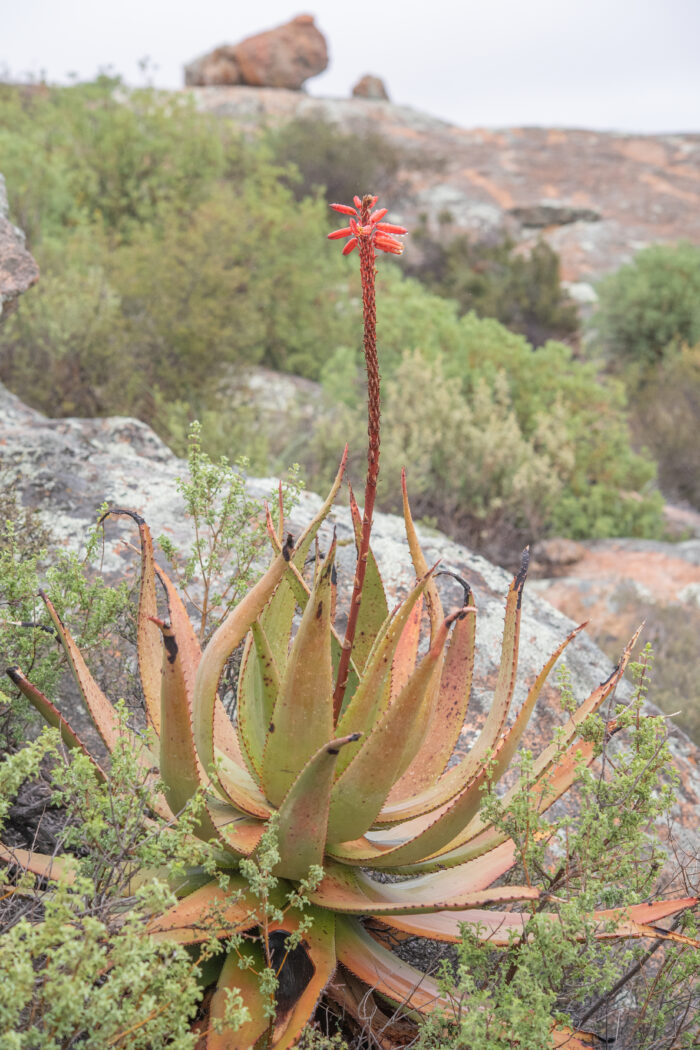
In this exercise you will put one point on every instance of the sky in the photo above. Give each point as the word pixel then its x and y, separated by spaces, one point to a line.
pixel 628 65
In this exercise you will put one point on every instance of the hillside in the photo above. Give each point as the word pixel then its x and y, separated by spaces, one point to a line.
pixel 597 197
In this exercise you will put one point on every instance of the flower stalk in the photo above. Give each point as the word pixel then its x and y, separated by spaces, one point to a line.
pixel 368 234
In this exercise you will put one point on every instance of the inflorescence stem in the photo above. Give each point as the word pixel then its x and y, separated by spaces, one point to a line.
pixel 369 316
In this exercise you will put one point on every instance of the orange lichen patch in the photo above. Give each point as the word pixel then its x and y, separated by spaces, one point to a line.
pixel 555 136
pixel 583 199
pixel 610 583
pixel 499 193
pixel 644 151
pixel 487 135
pixel 664 186
pixel 662 574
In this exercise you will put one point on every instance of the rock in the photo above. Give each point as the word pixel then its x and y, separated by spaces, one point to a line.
pixel 370 87
pixel 548 213
pixel 282 58
pixel 618 584
pixel 605 571
pixel 217 67
pixel 581 292
pixel 272 405
pixel 552 557
pixel 18 270
pixel 68 467
pixel 596 197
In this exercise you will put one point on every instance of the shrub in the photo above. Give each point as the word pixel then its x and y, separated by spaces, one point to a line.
pixel 75 968
pixel 98 154
pixel 648 304
pixel 495 279
pixel 63 350
pixel 334 162
pixel 233 282
pixel 27 636
pixel 470 467
pixel 665 413
pixel 582 479
pixel 132 329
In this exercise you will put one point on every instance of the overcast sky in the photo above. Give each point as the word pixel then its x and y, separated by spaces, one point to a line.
pixel 624 64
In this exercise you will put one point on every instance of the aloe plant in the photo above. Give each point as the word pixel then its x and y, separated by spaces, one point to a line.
pixel 345 744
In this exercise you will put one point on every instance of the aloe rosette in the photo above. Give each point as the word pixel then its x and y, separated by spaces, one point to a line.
pixel 348 742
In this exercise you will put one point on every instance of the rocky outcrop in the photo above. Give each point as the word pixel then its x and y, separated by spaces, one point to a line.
pixel 370 87
pixel 596 197
pixel 284 57
pixel 68 467
pixel 18 270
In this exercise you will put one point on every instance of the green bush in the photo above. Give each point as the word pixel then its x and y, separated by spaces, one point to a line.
pixel 64 349
pixel 494 279
pixel 98 154
pixel 470 467
pixel 236 281
pixel 339 164
pixel 648 304
pixel 170 249
pixel 76 967
pixel 503 443
pixel 126 329
pixel 665 413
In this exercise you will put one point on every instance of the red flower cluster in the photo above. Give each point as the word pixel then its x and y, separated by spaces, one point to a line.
pixel 378 232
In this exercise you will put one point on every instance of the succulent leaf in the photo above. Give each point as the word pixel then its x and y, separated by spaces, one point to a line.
pixel 499 927
pixel 449 713
pixel 348 891
pixel 41 864
pixel 373 608
pixel 240 788
pixel 372 694
pixel 385 752
pixel 180 767
pixel 406 653
pixel 424 836
pixel 148 641
pixel 225 639
pixel 246 980
pixel 454 779
pixel 302 719
pixel 420 565
pixel 237 833
pixel 639 920
pixel 258 687
pixel 103 714
pixel 52 715
pixel 190 653
pixel 318 943
pixel 209 911
pixel 382 970
pixel 190 650
pixel 303 813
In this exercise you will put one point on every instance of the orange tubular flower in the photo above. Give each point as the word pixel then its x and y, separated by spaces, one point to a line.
pixel 379 234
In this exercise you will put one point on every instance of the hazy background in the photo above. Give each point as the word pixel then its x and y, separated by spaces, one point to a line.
pixel 621 64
